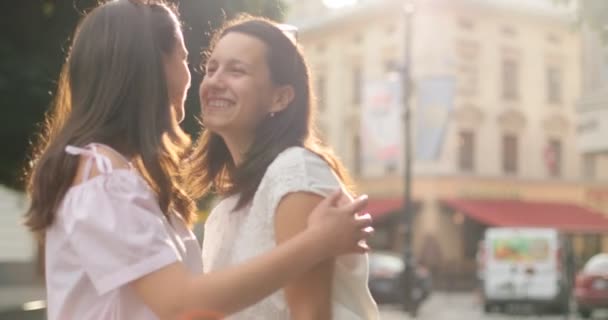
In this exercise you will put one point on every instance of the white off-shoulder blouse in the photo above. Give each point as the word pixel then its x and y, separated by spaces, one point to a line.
pixel 109 230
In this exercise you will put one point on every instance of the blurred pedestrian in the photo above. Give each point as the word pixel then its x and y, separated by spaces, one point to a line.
pixel 106 192
pixel 260 152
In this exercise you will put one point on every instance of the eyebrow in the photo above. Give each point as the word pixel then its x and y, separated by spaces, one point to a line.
pixel 231 61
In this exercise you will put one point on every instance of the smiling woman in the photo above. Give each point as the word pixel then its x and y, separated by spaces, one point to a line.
pixel 260 152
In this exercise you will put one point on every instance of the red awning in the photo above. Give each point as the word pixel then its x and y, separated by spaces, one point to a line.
pixel 379 207
pixel 515 213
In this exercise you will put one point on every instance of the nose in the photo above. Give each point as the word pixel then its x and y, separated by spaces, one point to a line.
pixel 214 81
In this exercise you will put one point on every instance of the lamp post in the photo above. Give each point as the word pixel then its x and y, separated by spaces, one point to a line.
pixel 411 301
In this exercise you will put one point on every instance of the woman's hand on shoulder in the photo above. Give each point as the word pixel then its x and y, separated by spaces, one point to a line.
pixel 341 225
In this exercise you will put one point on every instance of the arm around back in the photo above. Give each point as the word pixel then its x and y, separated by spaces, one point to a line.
pixel 172 291
pixel 308 296
pixel 132 246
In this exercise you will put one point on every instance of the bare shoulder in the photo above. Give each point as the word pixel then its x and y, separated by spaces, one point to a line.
pixel 117 160
pixel 299 200
pixel 90 163
pixel 292 213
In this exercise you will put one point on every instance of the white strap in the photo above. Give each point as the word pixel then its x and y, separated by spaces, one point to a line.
pixel 103 163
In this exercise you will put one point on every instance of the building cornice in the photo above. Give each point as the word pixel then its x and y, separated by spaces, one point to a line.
pixel 380 8
pixel 334 18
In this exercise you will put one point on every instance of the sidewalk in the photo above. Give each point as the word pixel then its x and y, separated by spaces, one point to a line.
pixel 17 295
pixel 442 305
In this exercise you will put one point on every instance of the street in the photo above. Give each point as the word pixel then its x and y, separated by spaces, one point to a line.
pixel 441 306
pixel 463 306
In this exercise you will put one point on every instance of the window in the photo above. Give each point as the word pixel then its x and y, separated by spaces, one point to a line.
pixel 321 96
pixel 391 66
pixel 588 166
pixel 390 167
pixel 509 154
pixel 357 85
pixel 508 31
pixel 510 78
pixel 554 85
pixel 553 157
pixel 466 151
pixel 466 24
pixel 553 39
pixel 467 70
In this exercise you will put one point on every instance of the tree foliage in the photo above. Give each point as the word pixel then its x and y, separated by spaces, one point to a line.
pixel 35 36
pixel 593 13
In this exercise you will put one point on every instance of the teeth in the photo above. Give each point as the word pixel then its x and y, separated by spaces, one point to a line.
pixel 219 103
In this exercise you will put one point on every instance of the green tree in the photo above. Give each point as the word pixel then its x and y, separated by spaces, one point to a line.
pixel 35 36
pixel 593 13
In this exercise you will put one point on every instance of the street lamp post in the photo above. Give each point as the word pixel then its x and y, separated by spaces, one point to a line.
pixel 408 277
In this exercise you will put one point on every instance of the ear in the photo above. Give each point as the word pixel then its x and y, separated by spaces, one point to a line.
pixel 282 97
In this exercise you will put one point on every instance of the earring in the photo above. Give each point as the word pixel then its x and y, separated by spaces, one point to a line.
pixel 272 114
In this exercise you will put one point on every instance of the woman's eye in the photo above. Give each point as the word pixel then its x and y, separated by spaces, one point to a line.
pixel 238 71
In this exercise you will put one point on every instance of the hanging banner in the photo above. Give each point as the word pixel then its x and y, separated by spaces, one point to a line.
pixel 381 130
pixel 435 100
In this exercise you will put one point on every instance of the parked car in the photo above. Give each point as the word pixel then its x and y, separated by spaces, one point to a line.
pixel 385 282
pixel 591 285
pixel 384 271
pixel 523 265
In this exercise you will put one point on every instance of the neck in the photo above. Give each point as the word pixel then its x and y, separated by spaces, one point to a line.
pixel 237 146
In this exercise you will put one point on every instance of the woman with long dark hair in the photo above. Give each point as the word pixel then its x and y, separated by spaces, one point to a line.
pixel 260 152
pixel 107 191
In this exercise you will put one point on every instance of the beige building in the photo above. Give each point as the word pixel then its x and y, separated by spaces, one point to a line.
pixel 503 139
pixel 592 126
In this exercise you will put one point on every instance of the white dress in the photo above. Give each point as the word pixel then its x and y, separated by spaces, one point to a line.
pixel 232 237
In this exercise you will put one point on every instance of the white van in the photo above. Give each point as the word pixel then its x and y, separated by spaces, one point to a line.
pixel 522 266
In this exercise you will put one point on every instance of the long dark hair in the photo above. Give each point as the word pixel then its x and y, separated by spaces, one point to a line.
pixel 112 90
pixel 212 167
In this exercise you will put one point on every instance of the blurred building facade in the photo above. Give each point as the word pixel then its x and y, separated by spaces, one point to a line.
pixel 592 128
pixel 504 134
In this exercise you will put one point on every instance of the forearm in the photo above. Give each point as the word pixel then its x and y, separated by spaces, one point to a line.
pixel 233 289
pixel 173 291
pixel 310 296
pixel 316 314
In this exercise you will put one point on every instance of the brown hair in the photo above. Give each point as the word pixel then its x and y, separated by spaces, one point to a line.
pixel 112 90
pixel 213 168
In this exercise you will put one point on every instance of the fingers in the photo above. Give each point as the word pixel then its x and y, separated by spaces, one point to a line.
pixel 333 199
pixel 365 234
pixel 362 247
pixel 364 220
pixel 358 204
